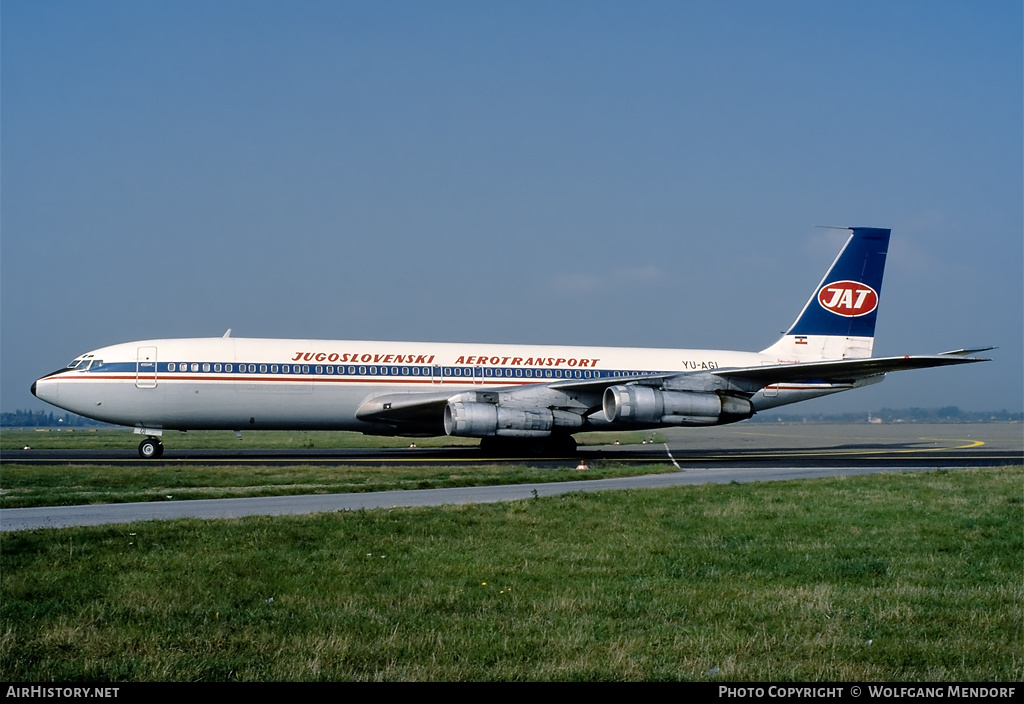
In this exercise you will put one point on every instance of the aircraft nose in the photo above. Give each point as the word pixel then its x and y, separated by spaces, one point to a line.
pixel 46 388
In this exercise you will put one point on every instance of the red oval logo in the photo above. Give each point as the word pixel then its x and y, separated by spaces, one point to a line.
pixel 849 299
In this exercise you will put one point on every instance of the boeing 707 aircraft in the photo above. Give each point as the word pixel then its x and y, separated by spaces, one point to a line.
pixel 513 397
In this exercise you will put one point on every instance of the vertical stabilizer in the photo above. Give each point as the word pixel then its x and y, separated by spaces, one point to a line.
pixel 838 321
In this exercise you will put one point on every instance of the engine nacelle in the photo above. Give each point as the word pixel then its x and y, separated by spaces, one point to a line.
pixel 481 420
pixel 645 405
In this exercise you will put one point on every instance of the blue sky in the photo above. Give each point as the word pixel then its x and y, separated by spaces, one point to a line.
pixel 600 173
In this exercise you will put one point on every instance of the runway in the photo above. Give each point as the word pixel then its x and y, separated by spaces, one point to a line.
pixel 754 452
pixel 747 445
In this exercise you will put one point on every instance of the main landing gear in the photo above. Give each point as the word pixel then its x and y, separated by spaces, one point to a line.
pixel 553 446
pixel 151 448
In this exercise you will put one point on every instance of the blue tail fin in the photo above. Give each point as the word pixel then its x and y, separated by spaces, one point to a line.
pixel 838 320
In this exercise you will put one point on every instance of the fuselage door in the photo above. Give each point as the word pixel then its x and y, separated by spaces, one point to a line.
pixel 145 368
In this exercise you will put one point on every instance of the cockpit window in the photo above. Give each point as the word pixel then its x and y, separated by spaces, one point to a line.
pixel 83 364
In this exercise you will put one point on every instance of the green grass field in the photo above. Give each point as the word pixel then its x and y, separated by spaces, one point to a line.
pixel 887 577
pixel 67 485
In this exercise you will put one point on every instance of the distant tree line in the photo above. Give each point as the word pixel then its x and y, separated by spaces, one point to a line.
pixel 946 414
pixel 42 419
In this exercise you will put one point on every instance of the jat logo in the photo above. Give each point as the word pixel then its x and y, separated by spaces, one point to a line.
pixel 848 298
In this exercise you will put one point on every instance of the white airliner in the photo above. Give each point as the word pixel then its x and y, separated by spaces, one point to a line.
pixel 511 396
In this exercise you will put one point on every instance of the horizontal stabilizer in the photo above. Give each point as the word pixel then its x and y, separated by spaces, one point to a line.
pixel 843 370
pixel 964 353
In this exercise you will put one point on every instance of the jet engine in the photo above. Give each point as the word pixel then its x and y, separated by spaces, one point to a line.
pixel 479 420
pixel 645 405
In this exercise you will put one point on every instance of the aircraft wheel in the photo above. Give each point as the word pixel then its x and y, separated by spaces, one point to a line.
pixel 150 449
pixel 555 446
pixel 563 445
pixel 494 447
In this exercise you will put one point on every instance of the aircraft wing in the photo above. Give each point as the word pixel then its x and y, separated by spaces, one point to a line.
pixel 584 385
pixel 425 407
pixel 847 370
pixel 425 410
pixel 405 408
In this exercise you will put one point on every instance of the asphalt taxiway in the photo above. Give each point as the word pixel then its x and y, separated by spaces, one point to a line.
pixel 752 452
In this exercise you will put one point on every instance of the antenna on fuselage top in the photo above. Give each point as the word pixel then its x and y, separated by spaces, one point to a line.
pixel 227 333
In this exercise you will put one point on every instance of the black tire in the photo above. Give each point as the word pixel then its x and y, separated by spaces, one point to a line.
pixel 150 449
pixel 554 446
pixel 562 445
pixel 495 447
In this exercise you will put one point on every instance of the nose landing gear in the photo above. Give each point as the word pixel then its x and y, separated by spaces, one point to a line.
pixel 151 448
